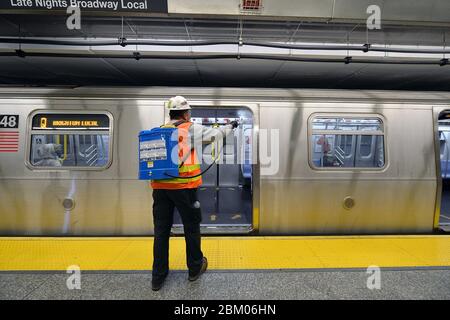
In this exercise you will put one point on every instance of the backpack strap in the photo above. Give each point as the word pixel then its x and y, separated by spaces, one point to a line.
pixel 173 125
pixel 179 122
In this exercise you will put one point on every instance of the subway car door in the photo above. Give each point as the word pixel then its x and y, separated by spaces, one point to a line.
pixel 227 193
pixel 442 215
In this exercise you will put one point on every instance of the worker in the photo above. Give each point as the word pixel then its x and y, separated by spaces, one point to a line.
pixel 182 193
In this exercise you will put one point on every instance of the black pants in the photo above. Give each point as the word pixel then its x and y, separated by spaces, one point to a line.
pixel 164 203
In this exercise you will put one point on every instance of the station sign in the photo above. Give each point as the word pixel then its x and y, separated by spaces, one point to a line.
pixel 108 6
pixel 54 121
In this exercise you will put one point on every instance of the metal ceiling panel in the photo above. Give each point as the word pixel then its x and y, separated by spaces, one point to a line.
pixel 73 69
pixel 321 9
pixel 355 10
pixel 238 73
pixel 420 11
pixel 156 71
pixel 207 29
pixel 396 11
pixel 221 73
pixel 229 72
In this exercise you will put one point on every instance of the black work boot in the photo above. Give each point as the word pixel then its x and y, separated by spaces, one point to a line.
pixel 202 269
pixel 157 283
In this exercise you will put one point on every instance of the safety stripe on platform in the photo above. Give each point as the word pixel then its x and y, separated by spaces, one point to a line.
pixel 227 253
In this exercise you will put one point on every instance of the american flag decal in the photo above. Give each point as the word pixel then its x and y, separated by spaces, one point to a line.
pixel 9 141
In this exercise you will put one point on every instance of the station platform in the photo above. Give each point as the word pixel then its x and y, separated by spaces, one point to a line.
pixel 228 253
pixel 329 267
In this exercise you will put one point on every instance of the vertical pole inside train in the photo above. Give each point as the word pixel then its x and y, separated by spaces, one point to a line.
pixel 216 151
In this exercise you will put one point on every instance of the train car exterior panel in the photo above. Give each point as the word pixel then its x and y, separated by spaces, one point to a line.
pixel 106 202
pixel 318 207
pixel 36 207
pixel 399 196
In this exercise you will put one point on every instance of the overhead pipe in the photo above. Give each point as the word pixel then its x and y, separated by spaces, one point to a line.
pixel 139 56
pixel 125 42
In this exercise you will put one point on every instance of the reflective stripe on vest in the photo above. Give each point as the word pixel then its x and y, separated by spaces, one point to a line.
pixel 190 167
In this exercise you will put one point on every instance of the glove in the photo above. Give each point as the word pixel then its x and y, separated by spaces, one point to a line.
pixel 234 124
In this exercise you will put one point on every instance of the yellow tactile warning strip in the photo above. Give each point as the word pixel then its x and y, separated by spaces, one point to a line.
pixel 23 254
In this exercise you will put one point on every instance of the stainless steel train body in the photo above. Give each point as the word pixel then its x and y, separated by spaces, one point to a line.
pixel 396 190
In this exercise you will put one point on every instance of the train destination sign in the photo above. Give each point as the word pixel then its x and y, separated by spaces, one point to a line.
pixel 117 6
pixel 52 121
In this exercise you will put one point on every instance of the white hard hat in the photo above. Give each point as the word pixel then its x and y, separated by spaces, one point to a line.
pixel 178 103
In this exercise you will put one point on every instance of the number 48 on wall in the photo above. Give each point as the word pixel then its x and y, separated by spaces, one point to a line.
pixel 9 121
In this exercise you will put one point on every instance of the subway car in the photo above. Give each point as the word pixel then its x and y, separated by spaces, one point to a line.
pixel 301 162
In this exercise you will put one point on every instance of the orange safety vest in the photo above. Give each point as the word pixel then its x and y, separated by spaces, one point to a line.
pixel 190 167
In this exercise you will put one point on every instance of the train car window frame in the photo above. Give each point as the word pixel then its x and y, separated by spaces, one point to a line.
pixel 355 133
pixel 30 131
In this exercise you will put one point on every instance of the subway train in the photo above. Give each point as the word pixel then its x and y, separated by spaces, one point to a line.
pixel 301 162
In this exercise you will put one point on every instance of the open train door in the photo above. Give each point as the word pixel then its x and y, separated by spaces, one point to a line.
pixel 442 215
pixel 228 195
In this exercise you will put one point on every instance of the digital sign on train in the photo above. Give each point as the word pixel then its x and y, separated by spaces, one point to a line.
pixel 53 121
pixel 444 115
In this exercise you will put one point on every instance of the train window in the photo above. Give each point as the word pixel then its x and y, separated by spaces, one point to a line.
pixel 70 141
pixel 347 142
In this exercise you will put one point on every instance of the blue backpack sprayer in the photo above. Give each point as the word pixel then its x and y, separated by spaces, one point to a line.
pixel 156 147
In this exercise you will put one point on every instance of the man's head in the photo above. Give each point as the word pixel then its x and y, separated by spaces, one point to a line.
pixel 179 108
pixel 180 115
